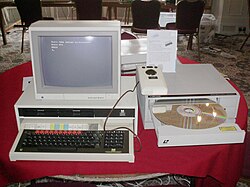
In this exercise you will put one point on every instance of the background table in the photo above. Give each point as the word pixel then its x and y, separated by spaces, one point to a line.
pixel 212 164
pixel 111 7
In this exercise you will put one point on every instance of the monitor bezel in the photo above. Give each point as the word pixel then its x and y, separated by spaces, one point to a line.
pixel 75 28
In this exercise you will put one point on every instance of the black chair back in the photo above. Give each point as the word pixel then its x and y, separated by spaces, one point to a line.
pixel 88 9
pixel 29 10
pixel 145 15
pixel 188 18
pixel 188 15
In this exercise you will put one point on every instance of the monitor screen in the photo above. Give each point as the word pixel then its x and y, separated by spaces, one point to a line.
pixel 64 59
pixel 76 59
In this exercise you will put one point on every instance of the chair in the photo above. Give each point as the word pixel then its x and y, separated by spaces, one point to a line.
pixel 145 15
pixel 88 9
pixel 30 11
pixel 188 17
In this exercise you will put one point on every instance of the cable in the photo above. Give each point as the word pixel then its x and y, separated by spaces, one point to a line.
pixel 105 122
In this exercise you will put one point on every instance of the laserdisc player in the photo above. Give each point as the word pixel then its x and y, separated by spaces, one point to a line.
pixel 199 106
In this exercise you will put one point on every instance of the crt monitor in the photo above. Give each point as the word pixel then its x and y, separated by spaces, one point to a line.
pixel 76 60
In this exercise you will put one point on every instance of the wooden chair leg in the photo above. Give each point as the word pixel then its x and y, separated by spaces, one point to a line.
pixel 129 9
pixel 198 42
pixel 125 16
pixel 190 42
pixel 23 31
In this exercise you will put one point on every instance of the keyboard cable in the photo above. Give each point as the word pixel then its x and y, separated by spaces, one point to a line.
pixel 105 122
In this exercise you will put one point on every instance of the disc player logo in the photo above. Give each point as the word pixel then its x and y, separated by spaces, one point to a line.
pixel 165 141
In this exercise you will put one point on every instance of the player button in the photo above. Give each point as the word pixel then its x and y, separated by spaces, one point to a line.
pixel 150 72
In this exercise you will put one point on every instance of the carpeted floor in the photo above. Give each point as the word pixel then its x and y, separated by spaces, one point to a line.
pixel 223 53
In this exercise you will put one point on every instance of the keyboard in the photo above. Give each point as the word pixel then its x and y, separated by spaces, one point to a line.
pixel 73 141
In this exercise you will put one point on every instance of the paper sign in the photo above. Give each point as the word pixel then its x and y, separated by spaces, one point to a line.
pixel 162 49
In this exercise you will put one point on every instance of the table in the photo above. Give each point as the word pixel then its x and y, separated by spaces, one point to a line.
pixel 114 6
pixel 66 3
pixel 168 17
pixel 211 165
pixel 111 7
pixel 127 6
